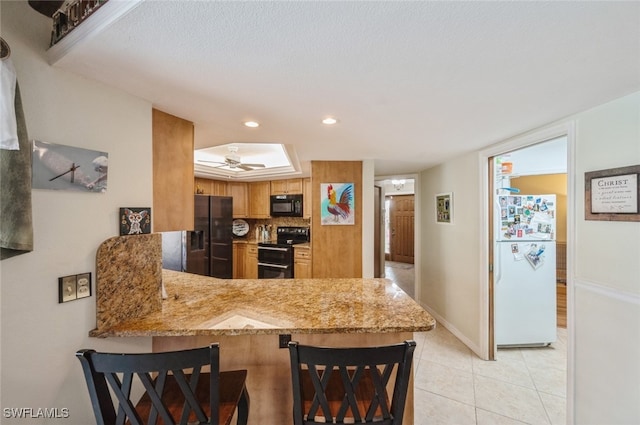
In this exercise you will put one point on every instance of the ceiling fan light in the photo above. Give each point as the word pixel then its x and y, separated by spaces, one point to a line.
pixel 251 124
pixel 329 121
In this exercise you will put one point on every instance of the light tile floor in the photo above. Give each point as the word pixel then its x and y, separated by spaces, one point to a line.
pixel 452 386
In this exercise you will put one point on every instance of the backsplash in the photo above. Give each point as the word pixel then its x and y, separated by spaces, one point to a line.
pixel 275 223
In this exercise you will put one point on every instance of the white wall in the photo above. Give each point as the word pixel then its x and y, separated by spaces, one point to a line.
pixel 449 274
pixel 39 336
pixel 607 275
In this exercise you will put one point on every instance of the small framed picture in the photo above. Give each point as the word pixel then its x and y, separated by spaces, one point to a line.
pixel 135 221
pixel 444 208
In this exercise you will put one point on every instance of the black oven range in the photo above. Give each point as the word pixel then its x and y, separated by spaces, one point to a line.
pixel 275 260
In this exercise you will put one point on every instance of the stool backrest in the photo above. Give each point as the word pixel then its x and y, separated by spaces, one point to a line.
pixel 331 384
pixel 165 377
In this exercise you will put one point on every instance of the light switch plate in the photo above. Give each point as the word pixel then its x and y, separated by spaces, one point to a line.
pixel 67 288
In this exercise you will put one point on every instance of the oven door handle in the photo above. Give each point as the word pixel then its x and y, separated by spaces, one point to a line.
pixel 273 265
pixel 271 248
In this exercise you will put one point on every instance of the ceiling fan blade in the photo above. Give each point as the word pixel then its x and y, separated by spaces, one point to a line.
pixel 245 167
pixel 254 165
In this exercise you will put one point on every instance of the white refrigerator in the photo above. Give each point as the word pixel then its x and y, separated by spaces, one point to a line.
pixel 525 270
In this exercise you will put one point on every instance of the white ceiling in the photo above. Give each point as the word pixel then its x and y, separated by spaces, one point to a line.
pixel 412 83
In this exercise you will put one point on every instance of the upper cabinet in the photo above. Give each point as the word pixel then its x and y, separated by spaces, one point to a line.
pixel 306 198
pixel 286 187
pixel 252 199
pixel 240 193
pixel 259 199
pixel 173 179
pixel 211 187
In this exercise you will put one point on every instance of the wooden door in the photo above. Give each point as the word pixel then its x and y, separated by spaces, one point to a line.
pixel 401 217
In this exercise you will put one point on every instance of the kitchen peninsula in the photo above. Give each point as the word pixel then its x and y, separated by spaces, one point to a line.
pixel 247 317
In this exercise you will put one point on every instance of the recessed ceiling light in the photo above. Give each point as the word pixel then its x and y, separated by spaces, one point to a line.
pixel 329 121
pixel 251 124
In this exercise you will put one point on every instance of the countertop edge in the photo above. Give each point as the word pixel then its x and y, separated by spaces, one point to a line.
pixel 106 333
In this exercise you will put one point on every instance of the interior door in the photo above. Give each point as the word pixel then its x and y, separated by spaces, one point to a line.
pixel 402 228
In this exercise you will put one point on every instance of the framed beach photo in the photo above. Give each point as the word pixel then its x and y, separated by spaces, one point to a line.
pixel 61 167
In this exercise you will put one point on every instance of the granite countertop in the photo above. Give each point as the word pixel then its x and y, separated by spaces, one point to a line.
pixel 200 305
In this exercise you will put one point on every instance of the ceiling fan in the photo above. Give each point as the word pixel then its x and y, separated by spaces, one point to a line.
pixel 233 161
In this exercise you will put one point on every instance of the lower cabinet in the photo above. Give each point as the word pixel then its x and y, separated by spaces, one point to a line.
pixel 251 262
pixel 302 263
pixel 239 259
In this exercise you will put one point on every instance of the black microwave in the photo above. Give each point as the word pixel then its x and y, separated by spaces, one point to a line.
pixel 286 206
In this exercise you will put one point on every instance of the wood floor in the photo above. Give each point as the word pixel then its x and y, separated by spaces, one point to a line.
pixel 561 301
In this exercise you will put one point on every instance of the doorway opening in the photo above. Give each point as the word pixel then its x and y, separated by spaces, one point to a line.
pixel 398 223
pixel 526 302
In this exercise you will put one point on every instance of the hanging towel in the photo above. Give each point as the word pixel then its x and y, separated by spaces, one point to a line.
pixel 16 226
pixel 8 126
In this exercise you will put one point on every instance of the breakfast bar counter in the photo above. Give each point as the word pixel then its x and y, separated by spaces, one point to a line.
pixel 248 318
pixel 200 305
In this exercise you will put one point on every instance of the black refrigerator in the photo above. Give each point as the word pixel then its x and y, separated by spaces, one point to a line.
pixel 208 248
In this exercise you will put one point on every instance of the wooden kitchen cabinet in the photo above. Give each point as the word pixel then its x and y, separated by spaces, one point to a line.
pixel 259 199
pixel 239 259
pixel 302 263
pixel 251 261
pixel 286 187
pixel 211 187
pixel 219 188
pixel 306 198
pixel 173 179
pixel 240 194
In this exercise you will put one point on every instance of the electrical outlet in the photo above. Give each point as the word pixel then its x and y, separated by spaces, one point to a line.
pixel 284 340
pixel 67 288
pixel 84 285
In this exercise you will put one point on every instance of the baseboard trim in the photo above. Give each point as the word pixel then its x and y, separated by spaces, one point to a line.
pixel 455 331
